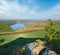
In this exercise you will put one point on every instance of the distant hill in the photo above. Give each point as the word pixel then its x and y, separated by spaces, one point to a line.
pixel 4 27
pixel 5 24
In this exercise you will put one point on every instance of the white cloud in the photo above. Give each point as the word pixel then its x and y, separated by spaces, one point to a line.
pixel 32 12
pixel 5 6
pixel 52 13
pixel 14 10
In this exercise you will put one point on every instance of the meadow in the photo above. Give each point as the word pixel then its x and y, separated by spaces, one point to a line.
pixel 13 42
pixel 18 40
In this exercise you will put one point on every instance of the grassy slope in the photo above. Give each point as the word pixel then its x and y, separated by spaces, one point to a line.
pixel 12 45
pixel 36 34
pixel 4 27
pixel 12 42
pixel 8 38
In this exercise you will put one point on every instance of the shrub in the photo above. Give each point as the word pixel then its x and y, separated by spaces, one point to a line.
pixel 21 51
pixel 52 37
pixel 1 41
pixel 40 42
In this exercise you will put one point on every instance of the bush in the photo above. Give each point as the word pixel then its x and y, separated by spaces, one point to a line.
pixel 2 40
pixel 40 42
pixel 52 37
pixel 21 51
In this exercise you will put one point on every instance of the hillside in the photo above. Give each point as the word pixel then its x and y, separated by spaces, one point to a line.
pixel 32 34
pixel 13 41
pixel 5 27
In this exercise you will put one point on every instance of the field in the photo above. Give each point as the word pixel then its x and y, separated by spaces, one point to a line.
pixel 18 40
pixel 13 42
pixel 9 38
pixel 57 26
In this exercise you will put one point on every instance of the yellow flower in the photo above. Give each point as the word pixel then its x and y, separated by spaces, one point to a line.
pixel 40 42
pixel 22 50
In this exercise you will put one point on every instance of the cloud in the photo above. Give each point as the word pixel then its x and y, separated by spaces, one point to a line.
pixel 53 13
pixel 15 10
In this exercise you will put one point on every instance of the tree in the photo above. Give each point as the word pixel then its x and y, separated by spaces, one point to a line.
pixel 50 31
pixel 52 37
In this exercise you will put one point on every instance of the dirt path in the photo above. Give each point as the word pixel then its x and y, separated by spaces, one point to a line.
pixel 21 31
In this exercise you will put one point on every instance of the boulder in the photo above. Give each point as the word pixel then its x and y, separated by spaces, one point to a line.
pixel 37 49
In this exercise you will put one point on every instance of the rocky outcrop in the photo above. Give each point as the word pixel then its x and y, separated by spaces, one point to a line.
pixel 37 49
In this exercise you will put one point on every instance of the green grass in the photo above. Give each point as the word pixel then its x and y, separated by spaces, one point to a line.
pixel 5 27
pixel 9 38
pixel 9 48
pixel 14 41
pixel 36 34
pixel 57 26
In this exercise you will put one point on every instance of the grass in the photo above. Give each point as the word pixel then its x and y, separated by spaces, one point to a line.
pixel 36 34
pixel 5 27
pixel 14 41
pixel 57 26
pixel 13 46
pixel 9 38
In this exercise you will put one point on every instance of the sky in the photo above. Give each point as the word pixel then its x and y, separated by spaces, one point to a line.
pixel 30 9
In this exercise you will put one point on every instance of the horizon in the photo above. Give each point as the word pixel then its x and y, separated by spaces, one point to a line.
pixel 29 9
